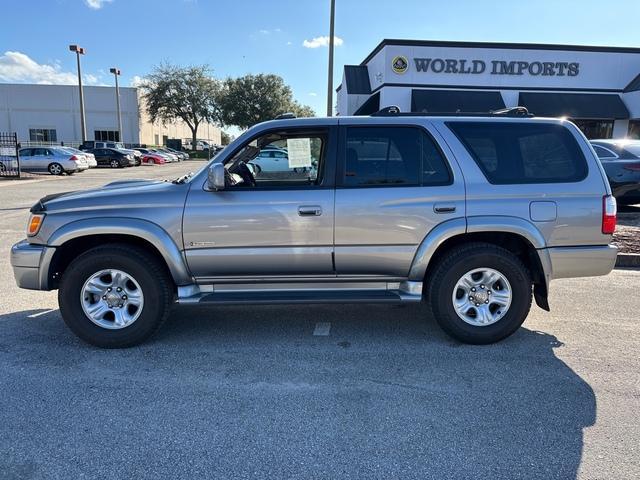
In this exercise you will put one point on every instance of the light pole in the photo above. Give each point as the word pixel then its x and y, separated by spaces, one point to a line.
pixel 116 73
pixel 83 126
pixel 330 82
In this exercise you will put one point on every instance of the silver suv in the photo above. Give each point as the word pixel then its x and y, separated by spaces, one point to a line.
pixel 472 214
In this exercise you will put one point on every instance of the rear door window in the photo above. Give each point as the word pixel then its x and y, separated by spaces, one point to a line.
pixel 514 152
pixel 392 156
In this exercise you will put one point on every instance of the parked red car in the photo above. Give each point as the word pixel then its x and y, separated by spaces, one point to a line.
pixel 150 158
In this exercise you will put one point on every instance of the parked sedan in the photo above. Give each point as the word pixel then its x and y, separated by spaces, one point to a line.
pixel 114 158
pixel 164 151
pixel 179 154
pixel 89 157
pixel 151 157
pixel 621 161
pixel 55 160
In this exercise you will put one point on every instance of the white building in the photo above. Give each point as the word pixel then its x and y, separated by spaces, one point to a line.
pixel 597 87
pixel 51 113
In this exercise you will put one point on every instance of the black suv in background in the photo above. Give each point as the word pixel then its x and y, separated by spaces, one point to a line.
pixel 113 158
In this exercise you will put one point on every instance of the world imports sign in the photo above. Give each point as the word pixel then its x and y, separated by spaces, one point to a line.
pixel 496 67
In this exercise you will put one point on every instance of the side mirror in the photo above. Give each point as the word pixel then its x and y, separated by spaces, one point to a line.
pixel 215 178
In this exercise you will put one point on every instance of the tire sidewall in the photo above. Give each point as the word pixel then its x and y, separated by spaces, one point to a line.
pixel 520 301
pixel 73 280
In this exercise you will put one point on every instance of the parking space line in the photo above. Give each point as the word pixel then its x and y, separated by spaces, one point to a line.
pixel 34 315
pixel 322 329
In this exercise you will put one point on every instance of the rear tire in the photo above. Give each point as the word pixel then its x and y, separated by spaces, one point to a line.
pixel 480 320
pixel 149 281
pixel 114 164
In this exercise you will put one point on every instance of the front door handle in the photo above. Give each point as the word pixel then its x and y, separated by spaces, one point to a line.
pixel 444 208
pixel 310 210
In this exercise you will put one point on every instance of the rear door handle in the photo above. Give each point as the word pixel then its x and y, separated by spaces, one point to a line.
pixel 310 210
pixel 444 208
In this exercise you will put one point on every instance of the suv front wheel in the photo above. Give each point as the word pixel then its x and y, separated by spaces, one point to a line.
pixel 479 293
pixel 115 296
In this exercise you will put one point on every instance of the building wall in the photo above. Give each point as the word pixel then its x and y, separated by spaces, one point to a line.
pixel 25 106
pixel 57 107
pixel 593 70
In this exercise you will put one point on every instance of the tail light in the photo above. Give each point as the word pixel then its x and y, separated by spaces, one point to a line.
pixel 74 158
pixel 634 167
pixel 608 214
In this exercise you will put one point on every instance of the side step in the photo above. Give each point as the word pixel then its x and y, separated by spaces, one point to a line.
pixel 301 296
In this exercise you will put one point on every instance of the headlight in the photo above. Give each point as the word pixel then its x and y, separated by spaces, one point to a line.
pixel 35 222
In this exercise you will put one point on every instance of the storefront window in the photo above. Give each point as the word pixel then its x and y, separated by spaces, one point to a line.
pixel 634 129
pixel 593 129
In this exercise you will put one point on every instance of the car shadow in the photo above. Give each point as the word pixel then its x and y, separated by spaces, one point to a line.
pixel 386 394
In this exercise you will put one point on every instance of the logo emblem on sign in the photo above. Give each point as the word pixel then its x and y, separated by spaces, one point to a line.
pixel 400 64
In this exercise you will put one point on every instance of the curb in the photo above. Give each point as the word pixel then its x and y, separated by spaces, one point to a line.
pixel 626 260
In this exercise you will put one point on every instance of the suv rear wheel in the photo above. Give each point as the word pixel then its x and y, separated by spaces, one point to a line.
pixel 480 293
pixel 115 296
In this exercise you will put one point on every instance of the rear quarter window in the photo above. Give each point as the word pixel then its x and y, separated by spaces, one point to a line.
pixel 512 153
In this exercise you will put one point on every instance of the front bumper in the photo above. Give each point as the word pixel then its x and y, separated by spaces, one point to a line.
pixel 568 262
pixel 26 260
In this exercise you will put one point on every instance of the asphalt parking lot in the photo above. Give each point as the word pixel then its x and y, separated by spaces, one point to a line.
pixel 377 392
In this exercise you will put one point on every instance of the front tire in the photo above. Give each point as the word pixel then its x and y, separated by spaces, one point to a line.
pixel 114 164
pixel 115 296
pixel 55 169
pixel 479 293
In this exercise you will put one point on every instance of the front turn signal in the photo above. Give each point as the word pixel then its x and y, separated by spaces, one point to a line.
pixel 35 222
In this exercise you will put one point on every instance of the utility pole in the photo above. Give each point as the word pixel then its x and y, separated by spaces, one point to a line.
pixel 330 82
pixel 83 126
pixel 116 73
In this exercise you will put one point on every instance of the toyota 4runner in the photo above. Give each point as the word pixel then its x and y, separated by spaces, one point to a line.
pixel 474 215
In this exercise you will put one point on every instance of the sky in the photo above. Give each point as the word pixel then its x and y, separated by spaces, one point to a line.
pixel 285 37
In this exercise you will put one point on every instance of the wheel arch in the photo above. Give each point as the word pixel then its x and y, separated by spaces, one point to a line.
pixel 74 238
pixel 516 235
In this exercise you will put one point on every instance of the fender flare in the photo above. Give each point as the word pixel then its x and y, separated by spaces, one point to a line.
pixel 458 226
pixel 133 227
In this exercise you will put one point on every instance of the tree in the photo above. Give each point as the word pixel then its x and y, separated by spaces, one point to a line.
pixel 225 138
pixel 189 94
pixel 251 99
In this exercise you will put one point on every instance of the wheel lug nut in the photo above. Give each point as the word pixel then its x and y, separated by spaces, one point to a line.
pixel 109 289
pixel 124 297
pixel 486 301
pixel 482 286
pixel 473 289
pixel 118 289
pixel 104 297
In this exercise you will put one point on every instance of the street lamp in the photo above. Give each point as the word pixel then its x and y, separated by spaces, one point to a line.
pixel 83 126
pixel 330 83
pixel 116 73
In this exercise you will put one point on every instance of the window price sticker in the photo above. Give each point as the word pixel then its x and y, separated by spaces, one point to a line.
pixel 299 152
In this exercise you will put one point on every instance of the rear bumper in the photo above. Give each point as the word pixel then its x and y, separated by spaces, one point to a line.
pixel 27 262
pixel 568 262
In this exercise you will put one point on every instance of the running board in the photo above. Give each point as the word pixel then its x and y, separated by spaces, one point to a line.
pixel 301 296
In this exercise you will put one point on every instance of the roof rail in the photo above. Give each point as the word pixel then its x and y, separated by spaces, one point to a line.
pixel 285 116
pixel 394 111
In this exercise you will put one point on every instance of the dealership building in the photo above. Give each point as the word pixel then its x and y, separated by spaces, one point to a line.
pixel 51 114
pixel 598 88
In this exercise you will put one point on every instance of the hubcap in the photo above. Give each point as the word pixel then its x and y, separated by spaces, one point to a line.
pixel 112 299
pixel 55 169
pixel 482 297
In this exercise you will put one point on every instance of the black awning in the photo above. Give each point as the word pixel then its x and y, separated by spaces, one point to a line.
pixel 372 105
pixel 452 101
pixel 575 105
pixel 357 79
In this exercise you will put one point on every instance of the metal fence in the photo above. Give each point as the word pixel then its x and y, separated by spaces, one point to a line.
pixel 9 158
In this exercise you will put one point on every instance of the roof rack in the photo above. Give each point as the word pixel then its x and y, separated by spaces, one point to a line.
pixel 394 111
pixel 285 116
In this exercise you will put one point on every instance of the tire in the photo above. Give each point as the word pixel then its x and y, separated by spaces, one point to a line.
pixel 55 169
pixel 114 164
pixel 484 259
pixel 149 275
